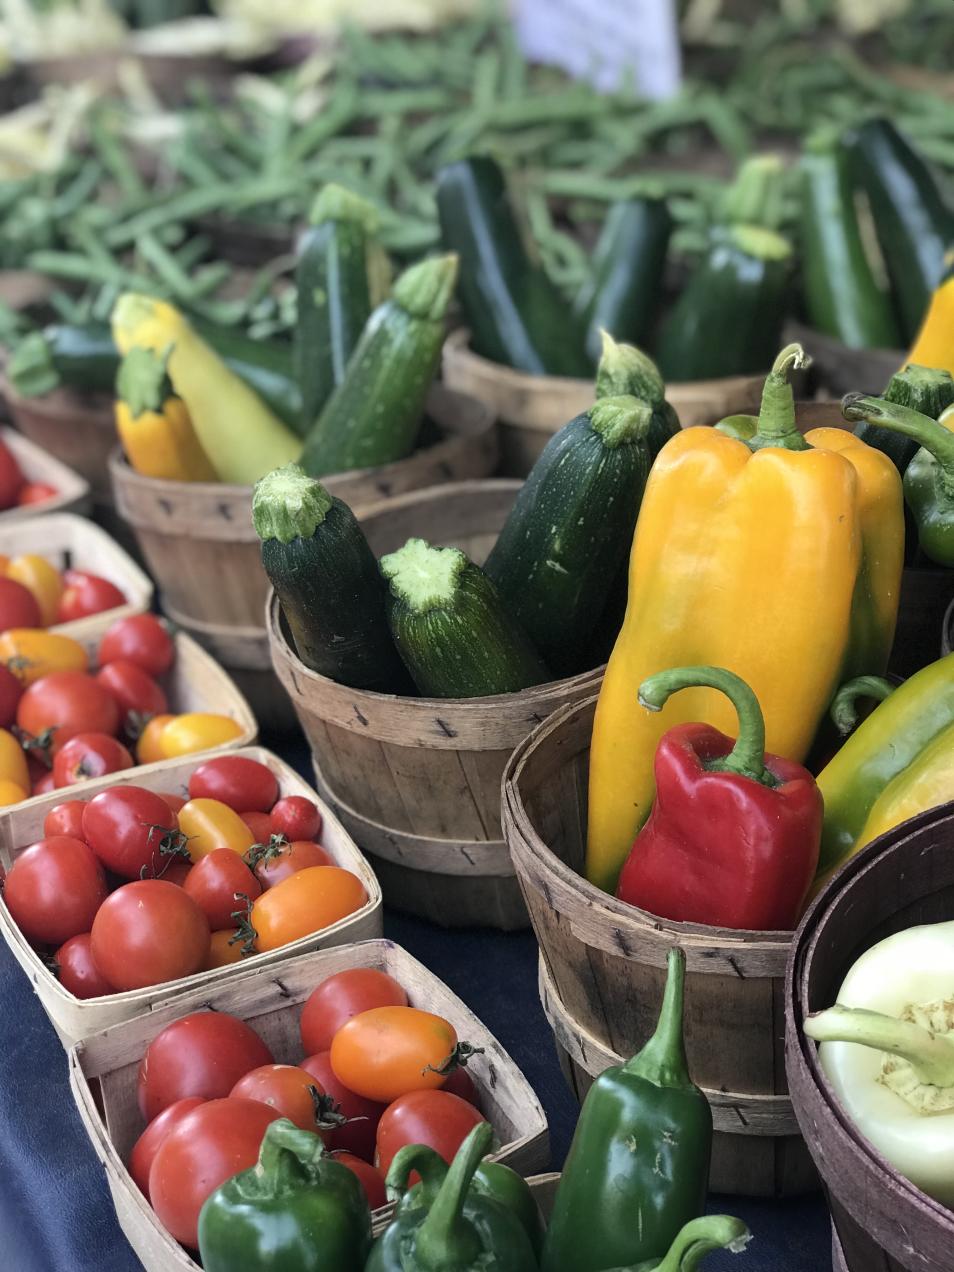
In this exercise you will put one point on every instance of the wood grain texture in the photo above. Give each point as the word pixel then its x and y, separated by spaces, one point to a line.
pixel 77 429
pixel 103 1072
pixel 838 369
pixel 74 1018
pixel 37 465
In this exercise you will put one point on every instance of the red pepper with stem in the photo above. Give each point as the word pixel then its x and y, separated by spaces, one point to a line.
pixel 733 836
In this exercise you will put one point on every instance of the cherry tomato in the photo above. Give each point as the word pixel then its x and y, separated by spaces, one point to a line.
pixel 54 889
pixel 77 971
pixel 175 802
pixel 369 1177
pixel 296 818
pixel 387 1051
pixel 44 785
pixel 244 784
pixel 149 932
pixel 11 691
pixel 203 1054
pixel 145 1148
pixel 260 824
pixel 285 1088
pixel 88 755
pixel 32 654
pixel 36 492
pixel 13 761
pixel 217 883
pixel 308 901
pixel 11 793
pixel 87 594
pixel 461 1084
pixel 333 1003
pixel 174 870
pixel 196 731
pixel 141 639
pixel 127 828
pixel 11 477
pixel 135 691
pixel 207 1147
pixel 66 819
pixel 67 703
pixel 223 951
pixel 18 607
pixel 435 1118
pixel 209 824
pixel 356 1135
pixel 276 863
pixel 148 750
pixel 42 580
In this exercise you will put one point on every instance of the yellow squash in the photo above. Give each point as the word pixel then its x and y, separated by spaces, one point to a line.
pixel 934 343
pixel 153 424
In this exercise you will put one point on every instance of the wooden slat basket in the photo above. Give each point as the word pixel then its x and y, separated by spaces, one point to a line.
pixel 884 1223
pixel 75 1018
pixel 531 408
pixel 78 429
pixel 417 780
pixel 103 1072
pixel 838 369
pixel 604 969
pixel 38 465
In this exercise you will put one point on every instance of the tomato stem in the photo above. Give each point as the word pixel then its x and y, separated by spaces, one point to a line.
pixel 458 1059
pixel 243 922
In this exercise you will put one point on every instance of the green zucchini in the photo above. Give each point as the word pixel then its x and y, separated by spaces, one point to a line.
pixel 334 282
pixel 374 415
pixel 623 290
pixel 624 370
pixel 452 629
pixel 728 320
pixel 756 195
pixel 571 529
pixel 914 226
pixel 842 298
pixel 516 315
pixel 325 575
pixel 924 389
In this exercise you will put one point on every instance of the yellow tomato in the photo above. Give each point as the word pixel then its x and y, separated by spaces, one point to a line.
pixel 31 653
pixel 4 563
pixel 221 953
pixel 13 765
pixel 42 579
pixel 196 731
pixel 149 747
pixel 209 824
pixel 10 793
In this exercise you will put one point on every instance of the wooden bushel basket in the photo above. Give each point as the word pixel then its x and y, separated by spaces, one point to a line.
pixel 604 969
pixel 198 539
pixel 531 408
pixel 103 1073
pixel 417 780
pixel 839 369
pixel 905 877
pixel 77 429
pixel 37 465
pixel 74 1018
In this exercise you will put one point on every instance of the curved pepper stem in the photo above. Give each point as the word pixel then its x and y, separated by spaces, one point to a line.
pixel 844 705
pixel 930 1055
pixel 288 1153
pixel 776 423
pixel 934 437
pixel 663 1059
pixel 445 1241
pixel 700 1237
pixel 747 757
pixel 415 1157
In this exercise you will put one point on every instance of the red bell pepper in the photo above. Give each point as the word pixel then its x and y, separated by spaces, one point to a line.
pixel 733 836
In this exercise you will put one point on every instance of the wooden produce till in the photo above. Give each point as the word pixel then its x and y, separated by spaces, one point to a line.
pixel 838 369
pixel 417 780
pixel 73 493
pixel 77 429
pixel 604 969
pixel 883 1222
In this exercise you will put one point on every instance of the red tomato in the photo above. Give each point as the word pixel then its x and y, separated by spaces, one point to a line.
pixel 147 933
pixel 45 784
pixel 54 889
pixel 35 492
pixel 175 802
pixel 296 818
pixel 66 819
pixel 370 1178
pixel 357 1135
pixel 135 691
pixel 276 864
pixel 260 824
pixel 145 1148
pixel 207 1147
pixel 86 594
pixel 141 639
pixel 244 784
pixel 11 691
pixel 88 755
pixel 204 1054
pixel 342 996
pixel 286 1088
pixel 67 703
pixel 11 477
pixel 214 883
pixel 77 970
pixel 461 1084
pixel 18 607
pixel 126 827
pixel 435 1118
pixel 175 870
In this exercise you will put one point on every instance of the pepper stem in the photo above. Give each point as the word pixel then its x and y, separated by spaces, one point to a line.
pixel 415 1157
pixel 777 426
pixel 445 1241
pixel 662 1060
pixel 747 757
pixel 844 705
pixel 930 1055
pixel 934 437
pixel 700 1237
pixel 288 1150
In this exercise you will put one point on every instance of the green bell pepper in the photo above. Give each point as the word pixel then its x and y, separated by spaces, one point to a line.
pixel 694 1241
pixel 844 706
pixel 924 389
pixel 638 1167
pixel 295 1210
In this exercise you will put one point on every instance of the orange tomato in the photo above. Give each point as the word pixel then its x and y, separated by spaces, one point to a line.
pixel 209 824
pixel 13 762
pixel 41 579
pixel 10 793
pixel 32 653
pixel 196 731
pixel 387 1052
pixel 149 747
pixel 221 954
pixel 305 902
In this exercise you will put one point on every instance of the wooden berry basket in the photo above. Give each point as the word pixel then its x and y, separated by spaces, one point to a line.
pixel 75 1018
pixel 103 1072
pixel 605 968
pixel 37 465
pixel 903 878
pixel 417 780
pixel 75 428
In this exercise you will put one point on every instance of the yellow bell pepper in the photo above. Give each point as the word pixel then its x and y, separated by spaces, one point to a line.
pixel 934 344
pixel 782 565
pixel 153 424
pixel 41 579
